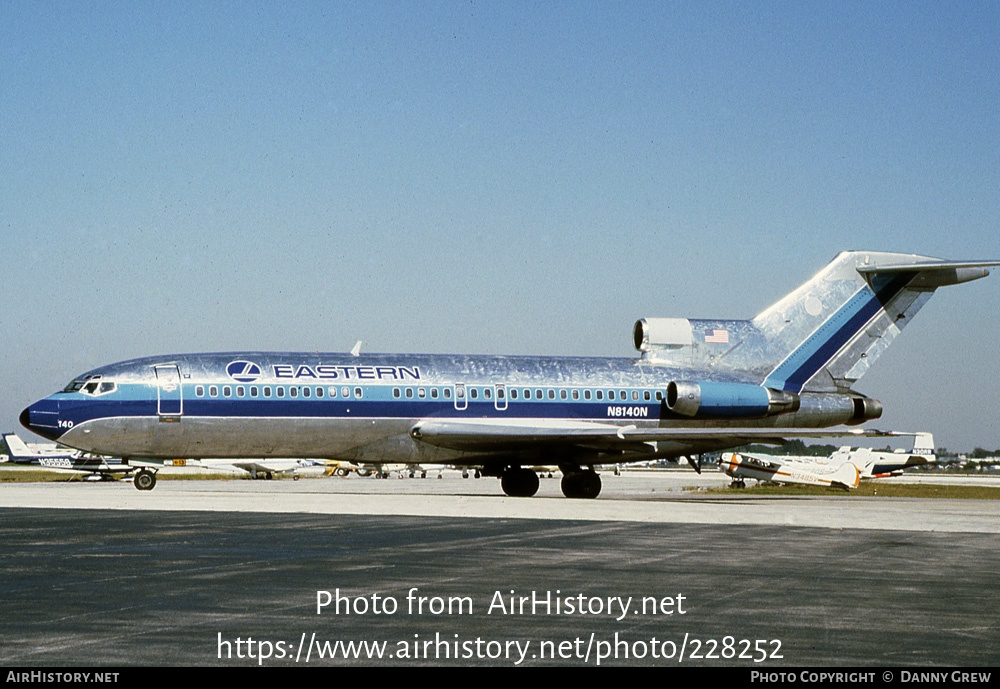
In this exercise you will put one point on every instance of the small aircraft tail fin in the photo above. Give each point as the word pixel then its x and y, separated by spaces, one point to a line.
pixel 827 333
pixel 847 476
pixel 923 445
pixel 16 448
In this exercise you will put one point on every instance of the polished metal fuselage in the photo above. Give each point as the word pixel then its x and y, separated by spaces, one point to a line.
pixel 337 406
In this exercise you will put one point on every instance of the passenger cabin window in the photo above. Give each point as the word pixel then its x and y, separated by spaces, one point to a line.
pixel 199 390
pixel 213 390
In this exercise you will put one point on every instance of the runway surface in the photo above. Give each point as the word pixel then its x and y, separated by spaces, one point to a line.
pixel 648 574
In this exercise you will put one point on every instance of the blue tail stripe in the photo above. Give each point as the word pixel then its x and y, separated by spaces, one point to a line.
pixel 802 364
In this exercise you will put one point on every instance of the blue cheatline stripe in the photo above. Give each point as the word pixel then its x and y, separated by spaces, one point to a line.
pixel 348 409
pixel 802 364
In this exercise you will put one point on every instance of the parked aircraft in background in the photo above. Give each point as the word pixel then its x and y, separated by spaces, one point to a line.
pixel 75 461
pixel 844 468
pixel 874 464
pixel 257 468
pixel 696 386
pixel 813 471
pixel 379 470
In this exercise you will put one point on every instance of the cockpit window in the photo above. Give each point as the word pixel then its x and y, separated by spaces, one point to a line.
pixel 90 385
pixel 93 388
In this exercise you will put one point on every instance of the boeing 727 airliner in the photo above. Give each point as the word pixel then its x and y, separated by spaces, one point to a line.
pixel 696 386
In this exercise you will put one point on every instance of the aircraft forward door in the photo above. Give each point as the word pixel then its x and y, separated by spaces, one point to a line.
pixel 169 399
pixel 500 397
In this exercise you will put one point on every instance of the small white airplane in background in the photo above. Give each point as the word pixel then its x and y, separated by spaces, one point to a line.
pixel 811 471
pixel 257 468
pixel 874 464
pixel 75 461
pixel 844 468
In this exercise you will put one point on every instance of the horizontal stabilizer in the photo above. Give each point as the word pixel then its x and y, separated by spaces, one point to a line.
pixel 932 273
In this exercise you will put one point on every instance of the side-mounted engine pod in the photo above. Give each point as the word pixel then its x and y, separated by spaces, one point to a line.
pixel 661 333
pixel 865 409
pixel 728 399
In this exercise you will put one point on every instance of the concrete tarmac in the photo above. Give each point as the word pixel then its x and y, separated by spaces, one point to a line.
pixel 451 572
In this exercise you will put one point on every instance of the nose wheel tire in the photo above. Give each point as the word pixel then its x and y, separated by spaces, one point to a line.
pixel 144 479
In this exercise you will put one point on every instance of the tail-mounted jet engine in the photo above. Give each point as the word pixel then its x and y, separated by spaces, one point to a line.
pixel 728 399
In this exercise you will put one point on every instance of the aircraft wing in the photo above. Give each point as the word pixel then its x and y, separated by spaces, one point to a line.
pixel 495 435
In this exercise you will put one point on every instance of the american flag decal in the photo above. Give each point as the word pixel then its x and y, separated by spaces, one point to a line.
pixel 717 336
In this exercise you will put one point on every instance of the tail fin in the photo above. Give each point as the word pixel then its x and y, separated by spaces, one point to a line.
pixel 923 446
pixel 16 448
pixel 828 332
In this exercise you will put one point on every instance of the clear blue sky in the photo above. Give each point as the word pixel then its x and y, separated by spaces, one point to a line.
pixel 517 177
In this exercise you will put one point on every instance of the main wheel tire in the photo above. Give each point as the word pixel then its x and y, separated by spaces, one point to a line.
pixel 584 485
pixel 519 483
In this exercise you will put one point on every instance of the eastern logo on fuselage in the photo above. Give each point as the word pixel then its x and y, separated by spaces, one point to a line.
pixel 332 372
pixel 243 371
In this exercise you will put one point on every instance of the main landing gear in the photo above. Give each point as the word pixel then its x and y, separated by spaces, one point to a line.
pixel 518 482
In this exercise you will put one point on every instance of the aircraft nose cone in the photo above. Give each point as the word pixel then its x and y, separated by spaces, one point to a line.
pixel 42 418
